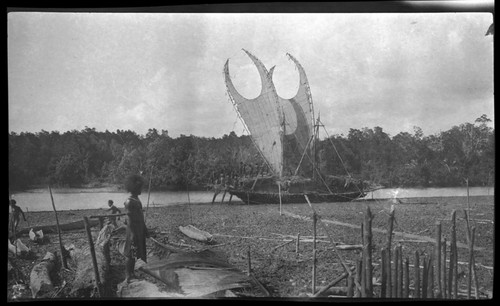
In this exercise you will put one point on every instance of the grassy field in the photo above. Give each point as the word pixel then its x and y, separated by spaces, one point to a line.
pixel 238 227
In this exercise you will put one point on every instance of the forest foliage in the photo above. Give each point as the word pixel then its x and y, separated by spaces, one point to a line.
pixel 89 157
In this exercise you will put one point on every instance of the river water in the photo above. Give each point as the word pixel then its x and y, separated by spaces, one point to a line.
pixel 64 199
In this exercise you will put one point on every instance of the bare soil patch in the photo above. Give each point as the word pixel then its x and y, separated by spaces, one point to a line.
pixel 238 227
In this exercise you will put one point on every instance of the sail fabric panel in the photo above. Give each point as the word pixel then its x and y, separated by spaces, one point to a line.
pixel 261 116
pixel 298 114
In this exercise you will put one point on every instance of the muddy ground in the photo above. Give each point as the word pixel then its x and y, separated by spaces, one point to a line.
pixel 238 227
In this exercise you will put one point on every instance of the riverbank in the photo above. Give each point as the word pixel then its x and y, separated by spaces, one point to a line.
pixel 261 229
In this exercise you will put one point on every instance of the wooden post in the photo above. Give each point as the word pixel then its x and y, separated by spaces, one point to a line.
pixel 249 262
pixel 383 270
pixel 406 292
pixel 443 275
pixel 472 265
pixel 417 275
pixel 101 222
pixel 63 250
pixel 400 270
pixel 455 254
pixel 92 253
pixel 452 257
pixel 396 273
pixel 363 276
pixel 389 248
pixel 430 278
pixel 438 259
pixel 357 277
pixel 425 276
pixel 314 254
pixel 367 249
pixel 350 286
pixel 388 273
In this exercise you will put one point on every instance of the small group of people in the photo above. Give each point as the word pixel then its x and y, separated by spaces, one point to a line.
pixel 136 232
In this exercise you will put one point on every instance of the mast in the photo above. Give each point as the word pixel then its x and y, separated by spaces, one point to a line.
pixel 282 138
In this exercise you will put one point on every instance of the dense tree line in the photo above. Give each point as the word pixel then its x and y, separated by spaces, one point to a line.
pixel 77 158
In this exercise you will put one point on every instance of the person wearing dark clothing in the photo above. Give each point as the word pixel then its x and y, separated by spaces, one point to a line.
pixel 114 210
pixel 16 212
pixel 135 243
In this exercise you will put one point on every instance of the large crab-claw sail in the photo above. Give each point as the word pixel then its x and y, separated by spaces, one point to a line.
pixel 260 115
pixel 298 110
pixel 269 117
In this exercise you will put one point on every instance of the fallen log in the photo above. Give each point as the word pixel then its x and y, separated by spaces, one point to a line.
pixel 84 281
pixel 40 281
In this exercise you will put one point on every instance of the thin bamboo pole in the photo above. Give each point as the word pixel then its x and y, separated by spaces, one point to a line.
pixel 63 253
pixel 396 273
pixel 438 259
pixel 406 292
pixel 367 248
pixel 314 254
pixel 416 285
pixel 92 253
pixel 383 263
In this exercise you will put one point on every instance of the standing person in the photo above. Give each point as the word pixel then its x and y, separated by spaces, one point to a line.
pixel 16 211
pixel 114 210
pixel 135 244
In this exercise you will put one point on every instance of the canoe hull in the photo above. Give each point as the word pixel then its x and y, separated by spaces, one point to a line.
pixel 252 197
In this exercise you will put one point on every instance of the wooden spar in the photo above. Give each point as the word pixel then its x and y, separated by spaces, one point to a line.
pixel 92 253
pixel 63 250
pixel 303 154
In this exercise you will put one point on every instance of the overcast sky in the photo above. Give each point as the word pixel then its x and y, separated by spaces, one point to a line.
pixel 146 70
